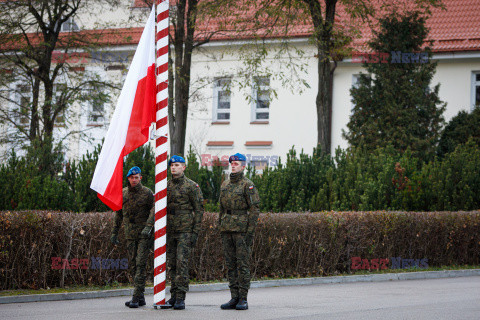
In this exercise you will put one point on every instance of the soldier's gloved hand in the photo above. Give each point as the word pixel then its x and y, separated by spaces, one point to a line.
pixel 114 238
pixel 147 231
pixel 194 238
pixel 249 239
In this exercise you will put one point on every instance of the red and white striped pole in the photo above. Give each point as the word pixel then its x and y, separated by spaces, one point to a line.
pixel 161 66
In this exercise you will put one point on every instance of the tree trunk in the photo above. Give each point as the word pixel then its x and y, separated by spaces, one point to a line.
pixel 324 104
pixel 323 37
pixel 183 48
pixel 48 120
pixel 34 122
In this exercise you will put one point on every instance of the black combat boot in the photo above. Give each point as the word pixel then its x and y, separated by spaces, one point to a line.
pixel 133 303
pixel 170 302
pixel 242 304
pixel 179 304
pixel 230 304
pixel 141 302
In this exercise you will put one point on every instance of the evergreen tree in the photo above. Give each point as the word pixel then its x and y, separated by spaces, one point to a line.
pixel 458 130
pixel 394 103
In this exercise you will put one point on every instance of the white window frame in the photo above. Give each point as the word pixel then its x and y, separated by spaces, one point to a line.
pixel 100 114
pixel 218 88
pixel 355 79
pixel 69 25
pixel 21 119
pixel 475 84
pixel 255 109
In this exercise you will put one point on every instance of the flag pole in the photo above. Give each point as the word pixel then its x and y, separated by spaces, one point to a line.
pixel 161 147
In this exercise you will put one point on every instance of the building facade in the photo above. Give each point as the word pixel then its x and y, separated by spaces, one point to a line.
pixel 258 114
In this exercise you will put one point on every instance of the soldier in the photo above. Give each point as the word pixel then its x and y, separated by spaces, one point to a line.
pixel 137 215
pixel 184 221
pixel 237 220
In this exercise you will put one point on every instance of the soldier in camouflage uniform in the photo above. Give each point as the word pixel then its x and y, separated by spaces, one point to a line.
pixel 137 215
pixel 184 221
pixel 238 218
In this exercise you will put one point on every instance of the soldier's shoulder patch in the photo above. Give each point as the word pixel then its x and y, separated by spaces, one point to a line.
pixel 251 187
pixel 196 185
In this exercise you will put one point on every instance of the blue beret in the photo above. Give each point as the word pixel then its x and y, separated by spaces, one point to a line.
pixel 174 159
pixel 133 170
pixel 237 157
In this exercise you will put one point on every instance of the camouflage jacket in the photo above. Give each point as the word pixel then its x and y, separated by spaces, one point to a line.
pixel 237 196
pixel 184 205
pixel 138 207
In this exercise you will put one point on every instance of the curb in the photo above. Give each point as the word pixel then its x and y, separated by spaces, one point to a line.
pixel 254 284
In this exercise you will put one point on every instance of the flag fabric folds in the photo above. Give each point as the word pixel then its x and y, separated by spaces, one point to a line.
pixel 129 126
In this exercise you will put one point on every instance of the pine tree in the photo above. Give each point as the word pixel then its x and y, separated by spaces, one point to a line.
pixel 393 103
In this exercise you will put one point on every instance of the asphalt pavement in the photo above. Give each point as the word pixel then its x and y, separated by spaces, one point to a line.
pixel 445 298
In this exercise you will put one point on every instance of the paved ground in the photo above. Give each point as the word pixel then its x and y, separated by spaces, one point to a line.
pixel 451 298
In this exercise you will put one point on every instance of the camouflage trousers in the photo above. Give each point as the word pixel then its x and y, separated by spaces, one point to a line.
pixel 179 248
pixel 237 259
pixel 138 251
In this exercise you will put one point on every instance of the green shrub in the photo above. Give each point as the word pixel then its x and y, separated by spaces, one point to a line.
pixel 459 130
pixel 352 179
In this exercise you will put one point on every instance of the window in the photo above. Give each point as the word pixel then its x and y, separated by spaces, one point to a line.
pixel 221 99
pixel 69 25
pixel 59 95
pixel 355 79
pixel 97 113
pixel 23 101
pixel 261 99
pixel 475 89
pixel 96 109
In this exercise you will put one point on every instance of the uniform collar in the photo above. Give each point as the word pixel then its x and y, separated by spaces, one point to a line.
pixel 178 179
pixel 136 188
pixel 237 176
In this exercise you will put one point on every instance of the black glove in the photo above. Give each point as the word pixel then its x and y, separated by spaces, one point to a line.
pixel 147 231
pixel 194 238
pixel 249 239
pixel 114 238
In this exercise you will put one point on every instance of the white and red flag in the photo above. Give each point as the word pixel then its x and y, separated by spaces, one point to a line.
pixel 129 127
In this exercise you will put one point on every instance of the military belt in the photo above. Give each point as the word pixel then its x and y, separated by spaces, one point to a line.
pixel 177 211
pixel 237 211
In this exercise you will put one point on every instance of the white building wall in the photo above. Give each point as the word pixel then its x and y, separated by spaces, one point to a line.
pixel 291 115
pixel 342 104
pixel 454 74
pixel 455 78
pixel 292 119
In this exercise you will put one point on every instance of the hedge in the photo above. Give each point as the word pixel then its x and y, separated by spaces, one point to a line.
pixel 286 245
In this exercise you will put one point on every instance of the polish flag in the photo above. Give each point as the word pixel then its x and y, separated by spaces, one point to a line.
pixel 129 127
